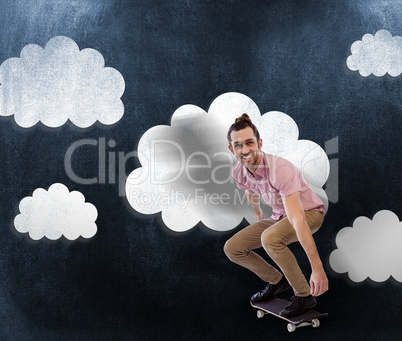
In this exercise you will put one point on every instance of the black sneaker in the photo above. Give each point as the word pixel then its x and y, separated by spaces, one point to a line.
pixel 270 290
pixel 298 306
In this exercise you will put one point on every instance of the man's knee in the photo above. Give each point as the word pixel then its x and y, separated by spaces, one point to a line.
pixel 232 249
pixel 228 248
pixel 270 241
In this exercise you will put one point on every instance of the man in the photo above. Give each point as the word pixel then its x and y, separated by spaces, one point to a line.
pixel 297 214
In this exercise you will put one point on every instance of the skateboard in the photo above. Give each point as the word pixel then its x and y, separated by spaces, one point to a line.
pixel 276 305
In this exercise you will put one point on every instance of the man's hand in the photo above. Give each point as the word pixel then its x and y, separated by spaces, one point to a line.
pixel 254 199
pixel 296 215
pixel 259 215
pixel 318 283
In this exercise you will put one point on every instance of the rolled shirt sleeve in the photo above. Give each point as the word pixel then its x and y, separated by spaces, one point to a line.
pixel 287 180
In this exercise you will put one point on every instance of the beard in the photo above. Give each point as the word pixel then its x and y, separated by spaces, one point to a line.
pixel 252 161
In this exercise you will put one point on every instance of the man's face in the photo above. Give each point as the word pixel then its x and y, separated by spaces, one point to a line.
pixel 245 147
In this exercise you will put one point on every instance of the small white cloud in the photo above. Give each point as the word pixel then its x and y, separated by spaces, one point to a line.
pixel 377 55
pixel 371 248
pixel 56 212
pixel 186 167
pixel 58 83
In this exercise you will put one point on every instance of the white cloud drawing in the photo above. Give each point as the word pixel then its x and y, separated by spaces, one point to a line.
pixel 377 55
pixel 56 212
pixel 58 83
pixel 186 167
pixel 371 248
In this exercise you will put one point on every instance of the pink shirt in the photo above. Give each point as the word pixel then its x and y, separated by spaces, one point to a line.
pixel 274 178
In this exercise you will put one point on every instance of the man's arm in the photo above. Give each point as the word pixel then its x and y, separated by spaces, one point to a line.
pixel 254 199
pixel 295 213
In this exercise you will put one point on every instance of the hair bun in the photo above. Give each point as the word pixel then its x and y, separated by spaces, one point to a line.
pixel 243 118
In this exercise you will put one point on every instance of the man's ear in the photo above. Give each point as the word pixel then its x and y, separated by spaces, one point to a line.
pixel 230 148
pixel 260 144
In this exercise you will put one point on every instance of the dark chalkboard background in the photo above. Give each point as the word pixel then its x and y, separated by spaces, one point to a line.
pixel 138 280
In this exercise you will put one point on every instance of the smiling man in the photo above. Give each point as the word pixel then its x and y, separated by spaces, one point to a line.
pixel 297 214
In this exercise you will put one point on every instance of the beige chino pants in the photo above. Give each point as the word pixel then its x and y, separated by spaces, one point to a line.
pixel 273 236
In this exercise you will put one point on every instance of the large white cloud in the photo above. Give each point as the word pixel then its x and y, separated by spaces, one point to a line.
pixel 186 167
pixel 377 55
pixel 371 248
pixel 58 83
pixel 56 212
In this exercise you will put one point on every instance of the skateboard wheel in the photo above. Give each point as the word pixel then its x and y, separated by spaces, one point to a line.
pixel 291 327
pixel 260 314
pixel 315 323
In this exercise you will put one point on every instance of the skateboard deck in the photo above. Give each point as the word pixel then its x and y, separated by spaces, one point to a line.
pixel 276 305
